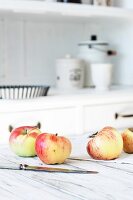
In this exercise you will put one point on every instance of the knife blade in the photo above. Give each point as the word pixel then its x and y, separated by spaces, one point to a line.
pixel 100 161
pixel 47 169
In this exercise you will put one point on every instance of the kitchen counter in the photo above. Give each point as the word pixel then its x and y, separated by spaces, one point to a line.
pixel 113 182
pixel 63 98
pixel 68 113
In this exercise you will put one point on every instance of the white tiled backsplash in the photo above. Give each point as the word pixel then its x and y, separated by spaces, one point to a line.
pixel 29 48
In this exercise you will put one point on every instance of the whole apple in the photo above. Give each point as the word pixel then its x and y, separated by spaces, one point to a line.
pixel 127 136
pixel 22 140
pixel 52 149
pixel 106 145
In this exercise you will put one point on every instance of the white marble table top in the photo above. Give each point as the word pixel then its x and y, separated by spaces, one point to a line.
pixel 113 182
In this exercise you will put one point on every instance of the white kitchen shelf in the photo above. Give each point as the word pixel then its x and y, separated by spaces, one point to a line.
pixel 61 10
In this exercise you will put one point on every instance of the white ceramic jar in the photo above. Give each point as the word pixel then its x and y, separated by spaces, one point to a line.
pixel 101 75
pixel 69 73
pixel 86 1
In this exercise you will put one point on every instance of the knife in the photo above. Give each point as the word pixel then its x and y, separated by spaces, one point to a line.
pixel 47 169
pixel 100 161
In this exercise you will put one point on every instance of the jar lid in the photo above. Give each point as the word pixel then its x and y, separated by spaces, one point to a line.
pixel 93 41
pixel 68 59
pixel 87 43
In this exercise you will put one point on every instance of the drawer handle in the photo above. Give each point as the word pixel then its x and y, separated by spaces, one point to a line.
pixel 123 116
pixel 10 127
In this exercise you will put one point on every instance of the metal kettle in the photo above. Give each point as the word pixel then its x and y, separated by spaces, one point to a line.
pixel 94 51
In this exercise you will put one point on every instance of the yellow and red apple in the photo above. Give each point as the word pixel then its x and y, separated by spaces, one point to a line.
pixel 22 140
pixel 52 149
pixel 127 136
pixel 106 145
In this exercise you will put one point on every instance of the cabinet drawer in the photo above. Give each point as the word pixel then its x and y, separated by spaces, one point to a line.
pixel 96 117
pixel 61 120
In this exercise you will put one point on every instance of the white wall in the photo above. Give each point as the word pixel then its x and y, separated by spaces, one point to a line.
pixel 29 48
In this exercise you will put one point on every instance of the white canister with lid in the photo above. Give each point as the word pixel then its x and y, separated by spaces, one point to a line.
pixel 93 51
pixel 69 73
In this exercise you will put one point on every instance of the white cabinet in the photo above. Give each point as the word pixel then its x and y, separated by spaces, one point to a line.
pixel 68 115
pixel 98 116
pixel 56 120
pixel 62 121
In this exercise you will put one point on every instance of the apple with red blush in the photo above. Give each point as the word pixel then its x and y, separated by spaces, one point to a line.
pixel 106 145
pixel 22 140
pixel 52 149
pixel 127 136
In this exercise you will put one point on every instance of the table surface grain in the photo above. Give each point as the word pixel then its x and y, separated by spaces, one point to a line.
pixel 113 182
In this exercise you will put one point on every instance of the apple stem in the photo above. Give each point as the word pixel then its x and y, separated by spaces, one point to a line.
pixel 93 135
pixel 56 134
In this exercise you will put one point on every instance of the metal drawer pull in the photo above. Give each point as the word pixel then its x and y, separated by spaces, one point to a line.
pixel 10 127
pixel 123 116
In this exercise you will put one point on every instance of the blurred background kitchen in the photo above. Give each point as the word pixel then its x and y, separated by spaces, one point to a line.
pixel 73 47
pixel 31 44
